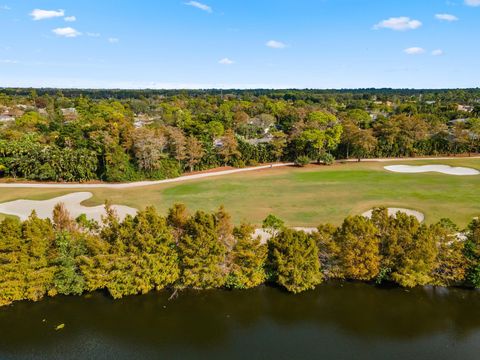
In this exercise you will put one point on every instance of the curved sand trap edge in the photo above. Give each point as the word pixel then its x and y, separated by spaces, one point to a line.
pixel 443 169
pixel 44 208
pixel 393 211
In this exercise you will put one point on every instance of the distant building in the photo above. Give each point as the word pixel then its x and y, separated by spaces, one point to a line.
pixel 387 103
pixel 265 140
pixel 141 120
pixel 466 108
pixel 6 118
pixel 458 121
pixel 13 112
pixel 217 143
pixel 69 114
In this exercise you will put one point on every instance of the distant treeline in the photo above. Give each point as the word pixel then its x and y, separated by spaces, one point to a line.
pixel 287 94
pixel 128 135
pixel 203 250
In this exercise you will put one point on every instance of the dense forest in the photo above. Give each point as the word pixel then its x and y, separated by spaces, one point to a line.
pixel 125 135
pixel 203 250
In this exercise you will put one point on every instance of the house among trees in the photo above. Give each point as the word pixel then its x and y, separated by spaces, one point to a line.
pixel 141 120
pixel 466 108
pixel 6 118
pixel 69 114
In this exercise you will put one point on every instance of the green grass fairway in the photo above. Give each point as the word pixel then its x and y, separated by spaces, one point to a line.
pixel 305 196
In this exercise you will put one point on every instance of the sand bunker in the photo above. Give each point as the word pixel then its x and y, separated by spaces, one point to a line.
pixel 444 169
pixel 265 235
pixel 393 211
pixel 44 208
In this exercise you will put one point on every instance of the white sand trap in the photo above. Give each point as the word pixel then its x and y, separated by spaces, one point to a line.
pixel 393 211
pixel 44 208
pixel 444 169
pixel 265 235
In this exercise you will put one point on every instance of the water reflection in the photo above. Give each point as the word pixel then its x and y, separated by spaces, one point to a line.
pixel 218 322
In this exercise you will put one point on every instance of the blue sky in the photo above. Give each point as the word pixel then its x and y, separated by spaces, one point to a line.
pixel 240 43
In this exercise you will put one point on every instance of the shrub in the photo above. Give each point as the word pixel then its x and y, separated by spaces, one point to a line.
pixel 302 161
pixel 326 159
pixel 167 169
pixel 237 163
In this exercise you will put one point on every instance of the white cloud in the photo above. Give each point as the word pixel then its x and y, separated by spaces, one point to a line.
pixel 446 17
pixel 70 18
pixel 437 52
pixel 91 34
pixel 5 7
pixel 113 40
pixel 66 32
pixel 401 23
pixel 39 14
pixel 275 44
pixel 199 5
pixel 226 61
pixel 414 51
pixel 472 2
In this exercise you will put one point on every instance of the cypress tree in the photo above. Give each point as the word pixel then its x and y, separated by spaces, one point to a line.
pixel 294 259
pixel 472 252
pixel 359 248
pixel 248 259
pixel 202 254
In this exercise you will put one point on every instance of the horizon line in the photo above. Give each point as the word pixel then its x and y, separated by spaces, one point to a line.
pixel 232 88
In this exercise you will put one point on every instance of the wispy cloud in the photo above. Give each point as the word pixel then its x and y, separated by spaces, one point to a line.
pixel 66 32
pixel 437 52
pixel 92 34
pixel 70 18
pixel 401 23
pixel 275 44
pixel 414 51
pixel 8 61
pixel 200 6
pixel 472 2
pixel 39 14
pixel 226 61
pixel 113 40
pixel 5 7
pixel 446 17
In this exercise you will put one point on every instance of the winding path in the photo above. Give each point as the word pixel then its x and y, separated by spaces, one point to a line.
pixel 138 183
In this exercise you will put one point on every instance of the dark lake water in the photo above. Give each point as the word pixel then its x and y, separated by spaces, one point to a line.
pixel 336 321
